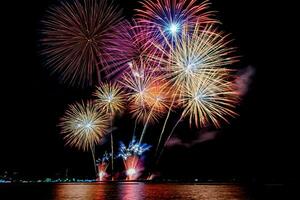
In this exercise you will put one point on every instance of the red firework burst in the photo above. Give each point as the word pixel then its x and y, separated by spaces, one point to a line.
pixel 102 174
pixel 134 167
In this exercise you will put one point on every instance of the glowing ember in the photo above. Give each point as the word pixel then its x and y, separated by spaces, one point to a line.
pixel 174 28
pixel 131 172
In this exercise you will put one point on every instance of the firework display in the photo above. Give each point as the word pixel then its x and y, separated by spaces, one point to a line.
pixel 171 61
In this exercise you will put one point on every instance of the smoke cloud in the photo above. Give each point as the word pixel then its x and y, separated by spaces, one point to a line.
pixel 244 79
pixel 203 136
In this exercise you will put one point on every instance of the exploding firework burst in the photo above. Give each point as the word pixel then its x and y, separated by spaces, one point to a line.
pixel 198 52
pixel 159 95
pixel 74 38
pixel 149 94
pixel 137 81
pixel 209 100
pixel 110 98
pixel 83 125
pixel 169 16
pixel 152 108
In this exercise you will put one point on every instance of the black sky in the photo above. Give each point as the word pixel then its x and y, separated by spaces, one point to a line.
pixel 260 144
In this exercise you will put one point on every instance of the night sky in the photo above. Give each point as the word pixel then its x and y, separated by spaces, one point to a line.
pixel 260 144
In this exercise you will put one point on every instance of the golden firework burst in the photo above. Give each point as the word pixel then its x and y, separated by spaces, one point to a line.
pixel 83 125
pixel 210 99
pixel 110 97
pixel 199 50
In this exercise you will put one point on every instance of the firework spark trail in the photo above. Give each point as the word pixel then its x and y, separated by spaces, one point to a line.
pixel 105 158
pixel 157 153
pixel 74 38
pixel 110 99
pixel 134 148
pixel 165 122
pixel 134 129
pixel 92 147
pixel 146 123
pixel 160 95
pixel 83 126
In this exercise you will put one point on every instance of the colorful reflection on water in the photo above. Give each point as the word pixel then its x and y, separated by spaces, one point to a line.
pixel 140 191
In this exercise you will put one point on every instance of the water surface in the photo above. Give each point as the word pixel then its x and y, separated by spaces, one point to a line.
pixel 126 191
